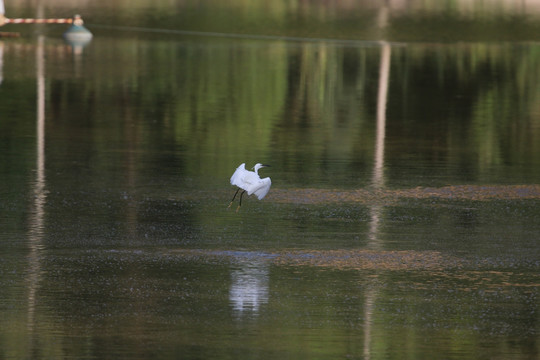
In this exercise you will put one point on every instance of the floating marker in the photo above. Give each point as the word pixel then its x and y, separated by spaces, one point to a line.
pixel 77 33
pixel 37 21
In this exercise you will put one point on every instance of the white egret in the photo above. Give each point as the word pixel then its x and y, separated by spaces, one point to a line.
pixel 251 182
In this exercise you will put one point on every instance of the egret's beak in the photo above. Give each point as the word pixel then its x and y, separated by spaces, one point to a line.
pixel 266 165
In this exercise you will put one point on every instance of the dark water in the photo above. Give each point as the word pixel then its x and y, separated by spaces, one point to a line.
pixel 404 144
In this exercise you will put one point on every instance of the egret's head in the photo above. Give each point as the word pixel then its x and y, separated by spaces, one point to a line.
pixel 258 166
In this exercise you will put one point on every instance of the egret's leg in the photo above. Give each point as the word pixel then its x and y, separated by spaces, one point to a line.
pixel 240 203
pixel 237 190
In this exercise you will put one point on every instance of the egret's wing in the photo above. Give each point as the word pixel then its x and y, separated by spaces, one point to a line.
pixel 246 180
pixel 236 178
pixel 261 188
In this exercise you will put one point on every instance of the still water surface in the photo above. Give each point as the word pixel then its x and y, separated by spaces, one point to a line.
pixel 402 221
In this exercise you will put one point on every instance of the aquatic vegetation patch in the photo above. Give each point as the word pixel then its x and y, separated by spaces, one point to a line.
pixel 382 196
pixel 337 259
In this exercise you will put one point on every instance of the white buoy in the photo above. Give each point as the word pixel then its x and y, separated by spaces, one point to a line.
pixel 77 34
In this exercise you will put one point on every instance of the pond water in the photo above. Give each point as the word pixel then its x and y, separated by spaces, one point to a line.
pixel 403 218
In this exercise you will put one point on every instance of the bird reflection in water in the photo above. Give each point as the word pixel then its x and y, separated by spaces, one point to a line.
pixel 249 287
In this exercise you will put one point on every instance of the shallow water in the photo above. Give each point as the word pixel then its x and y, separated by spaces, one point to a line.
pixel 403 217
